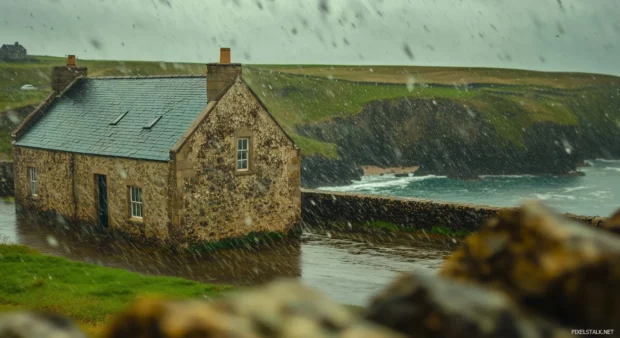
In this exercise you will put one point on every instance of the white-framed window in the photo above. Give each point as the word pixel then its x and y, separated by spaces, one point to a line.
pixel 32 178
pixel 135 195
pixel 242 153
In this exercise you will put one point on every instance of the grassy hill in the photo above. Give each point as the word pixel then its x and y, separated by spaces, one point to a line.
pixel 510 100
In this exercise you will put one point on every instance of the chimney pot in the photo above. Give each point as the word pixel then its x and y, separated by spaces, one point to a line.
pixel 62 76
pixel 71 61
pixel 224 55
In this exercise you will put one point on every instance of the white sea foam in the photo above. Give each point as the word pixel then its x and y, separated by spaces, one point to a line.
pixel 551 197
pixel 506 176
pixel 607 161
pixel 373 183
pixel 612 169
pixel 581 187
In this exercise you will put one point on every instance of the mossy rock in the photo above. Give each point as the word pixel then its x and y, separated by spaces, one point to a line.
pixel 560 267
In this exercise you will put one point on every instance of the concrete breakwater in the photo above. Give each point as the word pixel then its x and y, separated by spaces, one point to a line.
pixel 324 207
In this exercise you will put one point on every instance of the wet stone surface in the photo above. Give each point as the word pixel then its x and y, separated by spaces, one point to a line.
pixel 427 306
pixel 279 309
pixel 547 262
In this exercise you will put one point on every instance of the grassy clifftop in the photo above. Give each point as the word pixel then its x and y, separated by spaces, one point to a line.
pixel 511 100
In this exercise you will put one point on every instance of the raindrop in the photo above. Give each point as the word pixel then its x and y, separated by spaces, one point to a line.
pixel 346 42
pixel 294 31
pixel 248 221
pixel 561 6
pixel 410 83
pixel 60 219
pixel 259 4
pixel 323 7
pixel 12 115
pixel 408 51
pixel 95 43
pixel 329 234
pixel 52 241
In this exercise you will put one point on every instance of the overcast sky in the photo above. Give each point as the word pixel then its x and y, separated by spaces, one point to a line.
pixel 568 35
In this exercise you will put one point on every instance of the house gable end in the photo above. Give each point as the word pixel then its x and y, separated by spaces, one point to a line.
pixel 266 110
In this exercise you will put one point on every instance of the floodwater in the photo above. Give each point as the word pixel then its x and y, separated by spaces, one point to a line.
pixel 349 268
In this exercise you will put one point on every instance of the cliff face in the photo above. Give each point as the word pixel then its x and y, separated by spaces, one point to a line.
pixel 447 138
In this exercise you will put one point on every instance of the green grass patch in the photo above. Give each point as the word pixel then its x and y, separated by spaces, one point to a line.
pixel 8 199
pixel 314 147
pixel 296 99
pixel 393 227
pixel 87 293
pixel 12 99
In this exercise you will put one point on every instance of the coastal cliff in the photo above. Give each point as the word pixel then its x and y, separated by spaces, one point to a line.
pixel 445 137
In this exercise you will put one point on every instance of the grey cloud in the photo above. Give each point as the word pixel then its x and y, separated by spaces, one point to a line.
pixel 567 35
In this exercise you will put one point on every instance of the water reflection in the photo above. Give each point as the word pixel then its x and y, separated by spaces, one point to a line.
pixel 347 267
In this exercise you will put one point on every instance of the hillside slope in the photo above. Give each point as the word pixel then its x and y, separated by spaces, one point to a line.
pixel 461 122
pixel 543 123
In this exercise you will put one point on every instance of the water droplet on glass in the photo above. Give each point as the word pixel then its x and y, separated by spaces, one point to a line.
pixel 410 83
pixel 52 241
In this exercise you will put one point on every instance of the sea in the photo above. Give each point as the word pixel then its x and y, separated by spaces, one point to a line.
pixel 595 194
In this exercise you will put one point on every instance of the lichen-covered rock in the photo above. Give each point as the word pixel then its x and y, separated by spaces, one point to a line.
pixel 37 325
pixel 546 262
pixel 431 306
pixel 280 309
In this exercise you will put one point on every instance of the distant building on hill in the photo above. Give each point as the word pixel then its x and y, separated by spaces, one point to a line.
pixel 14 52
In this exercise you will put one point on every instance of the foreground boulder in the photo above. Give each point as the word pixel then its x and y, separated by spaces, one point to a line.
pixel 37 325
pixel 430 306
pixel 612 224
pixel 279 309
pixel 546 262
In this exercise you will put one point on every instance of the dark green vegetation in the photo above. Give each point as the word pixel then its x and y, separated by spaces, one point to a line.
pixel 87 293
pixel 461 122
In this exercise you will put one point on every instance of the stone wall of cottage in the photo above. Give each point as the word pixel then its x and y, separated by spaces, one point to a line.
pixel 213 201
pixel 66 186
pixel 121 173
pixel 54 175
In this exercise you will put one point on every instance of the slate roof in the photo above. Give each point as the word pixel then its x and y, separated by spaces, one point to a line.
pixel 79 121
pixel 14 48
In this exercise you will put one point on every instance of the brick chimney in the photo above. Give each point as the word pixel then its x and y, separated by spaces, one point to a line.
pixel 62 76
pixel 220 74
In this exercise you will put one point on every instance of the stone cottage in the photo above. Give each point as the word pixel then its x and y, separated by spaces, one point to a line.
pixel 15 52
pixel 180 159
